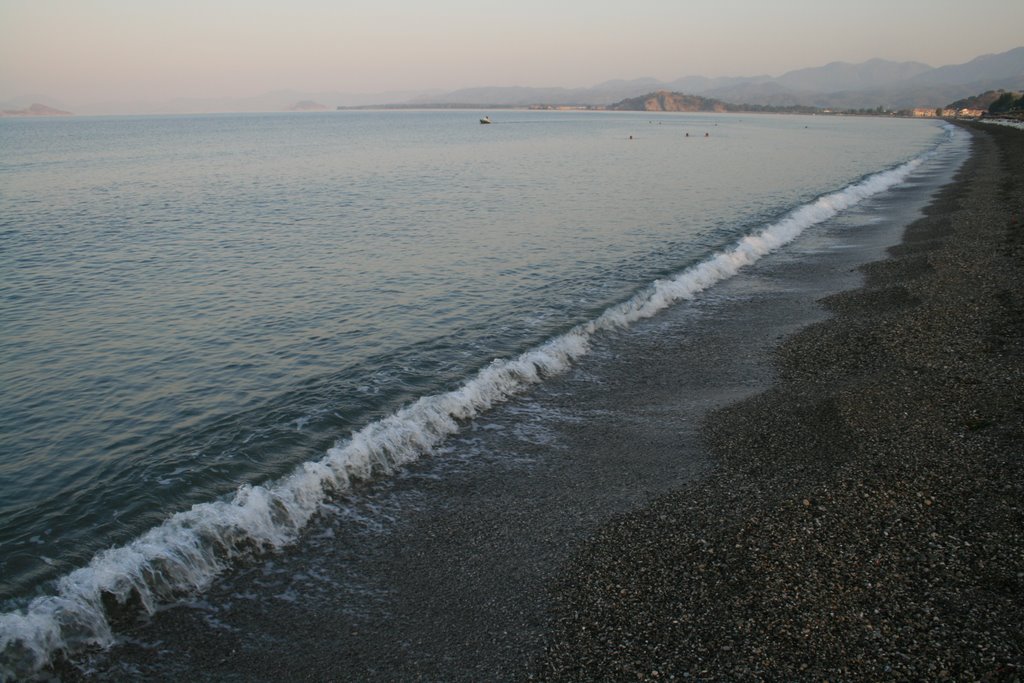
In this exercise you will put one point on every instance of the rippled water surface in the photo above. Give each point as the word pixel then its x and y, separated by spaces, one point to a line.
pixel 188 304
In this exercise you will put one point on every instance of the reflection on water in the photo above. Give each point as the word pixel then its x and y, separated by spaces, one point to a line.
pixel 190 303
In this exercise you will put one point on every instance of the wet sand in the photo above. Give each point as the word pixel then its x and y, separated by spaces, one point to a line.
pixel 866 521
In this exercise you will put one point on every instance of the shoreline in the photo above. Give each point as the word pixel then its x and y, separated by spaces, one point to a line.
pixel 865 519
pixel 453 585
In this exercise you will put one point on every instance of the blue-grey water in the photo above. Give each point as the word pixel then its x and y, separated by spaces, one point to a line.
pixel 208 321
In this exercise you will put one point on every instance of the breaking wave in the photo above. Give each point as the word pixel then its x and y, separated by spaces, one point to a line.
pixel 191 547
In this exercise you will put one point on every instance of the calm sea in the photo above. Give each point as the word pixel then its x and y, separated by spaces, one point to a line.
pixel 209 324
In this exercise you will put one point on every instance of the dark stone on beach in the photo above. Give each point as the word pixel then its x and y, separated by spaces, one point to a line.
pixel 866 519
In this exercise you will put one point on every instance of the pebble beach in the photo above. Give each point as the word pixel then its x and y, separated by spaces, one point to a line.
pixel 796 488
pixel 864 520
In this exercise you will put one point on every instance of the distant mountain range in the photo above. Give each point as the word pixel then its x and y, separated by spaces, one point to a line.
pixel 839 85
pixel 877 82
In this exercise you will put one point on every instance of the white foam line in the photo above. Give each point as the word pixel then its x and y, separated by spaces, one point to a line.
pixel 189 549
pixel 1012 123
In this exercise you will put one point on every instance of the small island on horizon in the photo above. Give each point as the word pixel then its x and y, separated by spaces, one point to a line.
pixel 35 109
pixel 308 105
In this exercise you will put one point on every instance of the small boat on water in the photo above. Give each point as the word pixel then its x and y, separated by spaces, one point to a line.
pixel 486 119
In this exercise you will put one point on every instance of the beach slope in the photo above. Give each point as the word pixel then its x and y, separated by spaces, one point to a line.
pixel 866 520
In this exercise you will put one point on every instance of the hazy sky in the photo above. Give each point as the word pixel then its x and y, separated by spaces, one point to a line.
pixel 94 50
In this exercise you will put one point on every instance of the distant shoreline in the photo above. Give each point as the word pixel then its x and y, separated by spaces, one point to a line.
pixel 44 111
pixel 600 109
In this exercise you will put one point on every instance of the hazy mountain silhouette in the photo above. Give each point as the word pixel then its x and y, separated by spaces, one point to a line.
pixel 840 85
pixel 894 85
pixel 1003 66
pixel 841 76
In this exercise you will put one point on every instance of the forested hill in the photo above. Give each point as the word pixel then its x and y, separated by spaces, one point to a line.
pixel 664 100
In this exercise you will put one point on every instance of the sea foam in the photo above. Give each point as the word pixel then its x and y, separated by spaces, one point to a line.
pixel 192 547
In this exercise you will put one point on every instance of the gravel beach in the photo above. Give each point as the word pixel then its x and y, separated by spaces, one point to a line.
pixel 741 488
pixel 866 521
